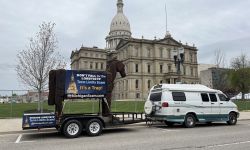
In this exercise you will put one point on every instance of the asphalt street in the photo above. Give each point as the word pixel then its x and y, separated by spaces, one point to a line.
pixel 217 136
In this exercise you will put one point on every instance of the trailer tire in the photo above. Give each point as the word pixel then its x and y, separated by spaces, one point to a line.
pixel 72 128
pixel 94 127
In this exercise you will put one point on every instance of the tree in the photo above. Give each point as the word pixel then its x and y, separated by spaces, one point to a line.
pixel 240 62
pixel 39 57
pixel 219 58
pixel 240 75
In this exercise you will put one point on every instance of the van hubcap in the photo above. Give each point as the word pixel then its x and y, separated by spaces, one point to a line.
pixel 232 118
pixel 190 121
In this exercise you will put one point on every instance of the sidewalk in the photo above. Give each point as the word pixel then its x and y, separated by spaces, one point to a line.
pixel 15 125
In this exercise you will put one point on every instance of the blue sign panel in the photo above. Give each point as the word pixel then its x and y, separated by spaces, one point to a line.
pixel 85 84
pixel 39 120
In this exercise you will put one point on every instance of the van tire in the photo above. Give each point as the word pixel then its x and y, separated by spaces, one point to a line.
pixel 190 121
pixel 232 119
pixel 94 127
pixel 72 128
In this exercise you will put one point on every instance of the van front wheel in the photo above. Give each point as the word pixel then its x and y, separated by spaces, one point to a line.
pixel 189 121
pixel 232 119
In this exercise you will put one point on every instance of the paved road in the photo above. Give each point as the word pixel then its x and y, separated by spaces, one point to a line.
pixel 217 136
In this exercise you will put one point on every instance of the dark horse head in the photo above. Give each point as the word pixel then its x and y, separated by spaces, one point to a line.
pixel 114 66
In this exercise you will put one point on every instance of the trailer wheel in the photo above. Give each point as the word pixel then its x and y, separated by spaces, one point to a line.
pixel 189 121
pixel 94 127
pixel 72 128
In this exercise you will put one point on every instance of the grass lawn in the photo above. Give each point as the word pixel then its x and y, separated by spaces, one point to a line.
pixel 17 110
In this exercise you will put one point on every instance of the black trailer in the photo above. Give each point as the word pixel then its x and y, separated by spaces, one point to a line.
pixel 72 125
pixel 78 84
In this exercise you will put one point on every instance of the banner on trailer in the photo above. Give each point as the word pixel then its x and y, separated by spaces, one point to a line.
pixel 38 120
pixel 85 84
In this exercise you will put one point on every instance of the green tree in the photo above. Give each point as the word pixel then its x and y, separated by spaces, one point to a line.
pixel 240 76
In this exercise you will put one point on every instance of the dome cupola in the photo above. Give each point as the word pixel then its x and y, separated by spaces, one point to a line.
pixel 119 27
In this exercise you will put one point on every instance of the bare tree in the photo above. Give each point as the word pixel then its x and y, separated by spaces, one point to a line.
pixel 39 57
pixel 219 58
pixel 240 62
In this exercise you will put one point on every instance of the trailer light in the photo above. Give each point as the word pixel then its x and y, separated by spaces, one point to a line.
pixel 164 104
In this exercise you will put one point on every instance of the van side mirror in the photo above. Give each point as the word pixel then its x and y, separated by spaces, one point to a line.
pixel 227 99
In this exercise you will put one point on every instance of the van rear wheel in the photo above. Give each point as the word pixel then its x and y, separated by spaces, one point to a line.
pixel 232 119
pixel 190 121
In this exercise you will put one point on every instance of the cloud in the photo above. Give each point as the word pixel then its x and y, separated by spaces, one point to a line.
pixel 87 22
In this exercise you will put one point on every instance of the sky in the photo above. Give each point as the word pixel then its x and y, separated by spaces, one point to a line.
pixel 209 24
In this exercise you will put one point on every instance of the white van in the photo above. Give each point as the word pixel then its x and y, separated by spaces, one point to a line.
pixel 188 104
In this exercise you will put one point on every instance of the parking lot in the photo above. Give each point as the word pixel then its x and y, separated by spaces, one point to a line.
pixel 139 136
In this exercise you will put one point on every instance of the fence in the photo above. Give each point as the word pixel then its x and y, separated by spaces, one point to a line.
pixel 13 103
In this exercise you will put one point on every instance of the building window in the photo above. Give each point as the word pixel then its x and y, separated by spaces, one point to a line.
pixel 91 54
pixel 86 64
pixel 149 84
pixel 136 68
pixel 148 52
pixel 161 68
pixel 101 65
pixel 137 95
pixel 191 57
pixel 91 65
pixel 169 53
pixel 96 66
pixel 161 53
pixel 184 70
pixel 191 71
pixel 149 68
pixel 136 52
pixel 136 84
pixel 161 81
pixel 169 68
pixel 86 54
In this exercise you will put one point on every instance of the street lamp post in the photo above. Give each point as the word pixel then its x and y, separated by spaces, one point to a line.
pixel 178 61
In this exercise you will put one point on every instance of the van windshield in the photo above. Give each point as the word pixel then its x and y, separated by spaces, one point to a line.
pixel 155 96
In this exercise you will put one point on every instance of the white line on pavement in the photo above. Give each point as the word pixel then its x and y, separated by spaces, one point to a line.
pixel 229 144
pixel 18 138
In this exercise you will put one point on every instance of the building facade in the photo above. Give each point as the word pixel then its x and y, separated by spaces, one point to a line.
pixel 148 62
pixel 215 78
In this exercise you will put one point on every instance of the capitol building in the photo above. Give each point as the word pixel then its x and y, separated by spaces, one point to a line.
pixel 147 61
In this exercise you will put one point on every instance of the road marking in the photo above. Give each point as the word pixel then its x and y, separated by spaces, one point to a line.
pixel 18 138
pixel 229 144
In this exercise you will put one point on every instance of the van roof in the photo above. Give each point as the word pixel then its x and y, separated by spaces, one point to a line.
pixel 185 87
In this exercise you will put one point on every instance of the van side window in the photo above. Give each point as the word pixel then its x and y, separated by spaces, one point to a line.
pixel 179 96
pixel 204 97
pixel 213 97
pixel 222 97
pixel 155 96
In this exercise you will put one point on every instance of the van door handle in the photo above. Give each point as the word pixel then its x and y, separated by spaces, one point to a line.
pixel 212 103
pixel 221 103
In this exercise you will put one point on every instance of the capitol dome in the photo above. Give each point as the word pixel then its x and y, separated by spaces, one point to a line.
pixel 120 23
pixel 119 28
